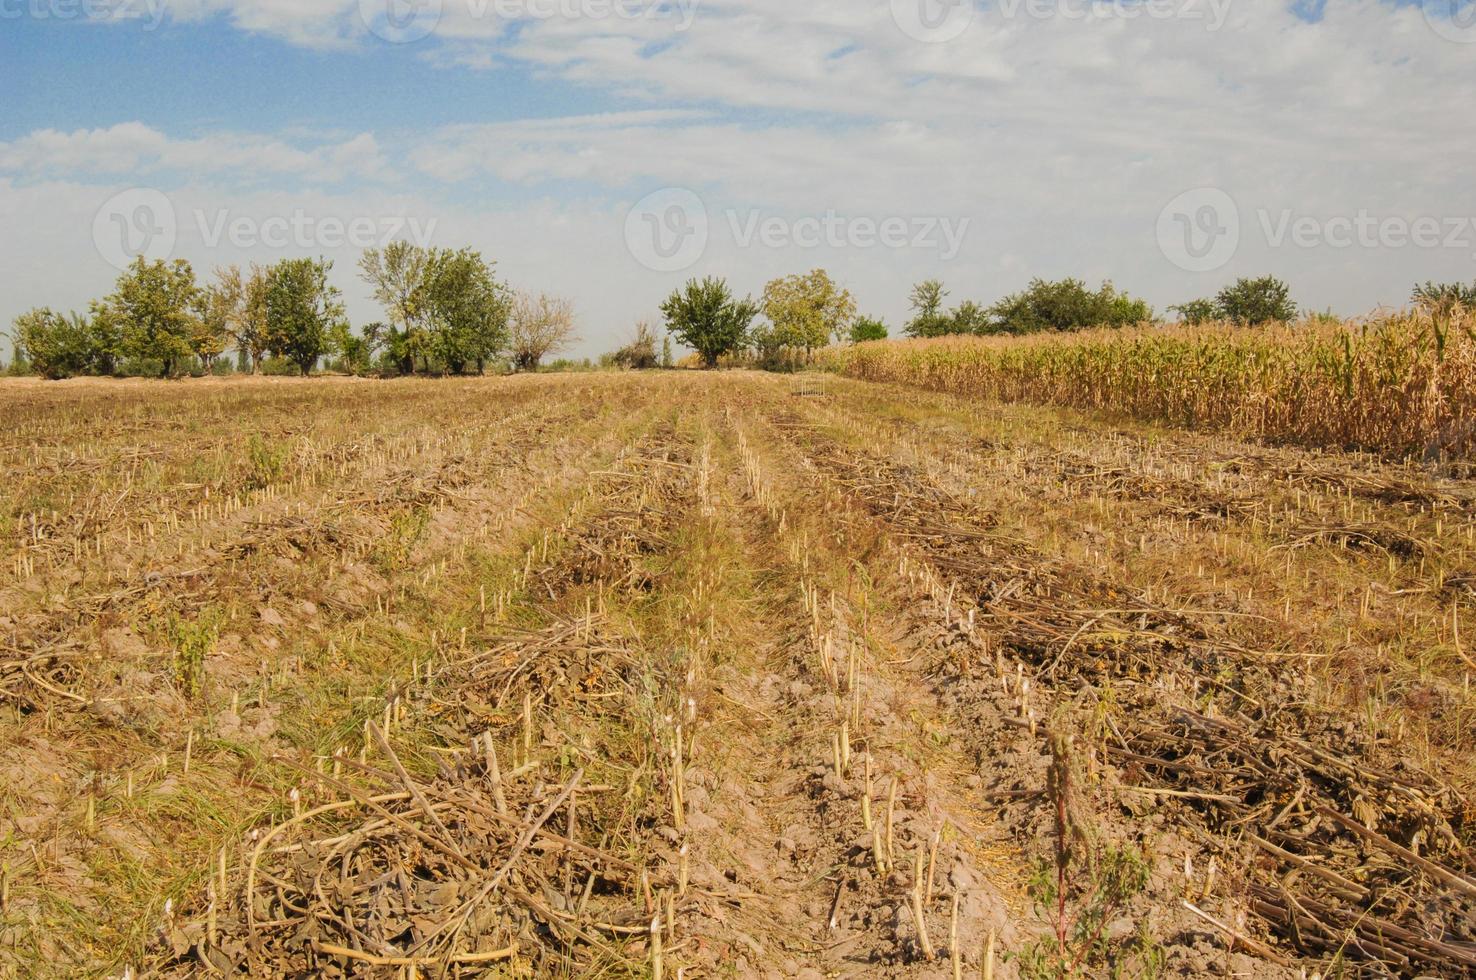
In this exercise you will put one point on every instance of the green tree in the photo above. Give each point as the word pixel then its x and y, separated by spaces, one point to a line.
pixel 1253 302
pixel 868 328
pixel 666 361
pixel 154 306
pixel 970 317
pixel 464 308
pixel 1067 305
pixel 242 300
pixel 397 273
pixel 705 316
pixel 1197 311
pixel 58 346
pixel 106 344
pixel 214 314
pixel 928 318
pixel 303 310
pixel 357 350
pixel 808 310
pixel 1444 298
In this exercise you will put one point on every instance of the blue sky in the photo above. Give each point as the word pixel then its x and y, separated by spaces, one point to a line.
pixel 1167 145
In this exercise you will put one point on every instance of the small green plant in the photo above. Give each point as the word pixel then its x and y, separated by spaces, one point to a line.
pixel 265 461
pixel 405 530
pixel 1084 886
pixel 193 642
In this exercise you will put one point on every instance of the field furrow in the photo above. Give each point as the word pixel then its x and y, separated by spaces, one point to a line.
pixel 720 674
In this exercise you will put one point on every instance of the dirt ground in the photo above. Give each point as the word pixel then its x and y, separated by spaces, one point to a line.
pixel 690 675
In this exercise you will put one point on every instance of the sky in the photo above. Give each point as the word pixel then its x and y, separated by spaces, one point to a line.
pixel 609 150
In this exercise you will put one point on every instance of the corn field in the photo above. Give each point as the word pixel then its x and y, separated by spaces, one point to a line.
pixel 1401 385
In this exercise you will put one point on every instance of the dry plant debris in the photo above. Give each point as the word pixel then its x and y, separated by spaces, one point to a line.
pixel 684 675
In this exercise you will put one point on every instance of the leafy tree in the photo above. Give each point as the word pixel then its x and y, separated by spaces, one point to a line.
pixel 666 361
pixel 868 328
pixel 215 312
pixel 705 316
pixel 1442 299
pixel 538 326
pixel 242 299
pixel 808 310
pixel 357 350
pixel 1253 302
pixel 398 274
pixel 303 310
pixel 771 348
pixel 1067 305
pixel 105 344
pixel 58 346
pixel 464 309
pixel 154 307
pixel 1197 311
pixel 970 317
pixel 928 318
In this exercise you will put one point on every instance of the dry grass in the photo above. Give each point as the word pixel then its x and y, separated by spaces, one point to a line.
pixel 1402 385
pixel 798 650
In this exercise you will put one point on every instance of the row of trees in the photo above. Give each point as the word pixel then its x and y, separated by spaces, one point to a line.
pixel 805 312
pixel 1069 305
pixel 446 313
pixel 1064 305
pixel 801 314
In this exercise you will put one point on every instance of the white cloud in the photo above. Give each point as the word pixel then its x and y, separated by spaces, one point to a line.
pixel 1059 139
pixel 138 149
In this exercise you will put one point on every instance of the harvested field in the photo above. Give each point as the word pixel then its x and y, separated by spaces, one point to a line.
pixel 719 674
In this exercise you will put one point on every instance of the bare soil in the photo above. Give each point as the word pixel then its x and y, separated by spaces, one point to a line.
pixel 718 675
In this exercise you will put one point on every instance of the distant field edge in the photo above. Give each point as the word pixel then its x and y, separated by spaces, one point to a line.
pixel 1401 386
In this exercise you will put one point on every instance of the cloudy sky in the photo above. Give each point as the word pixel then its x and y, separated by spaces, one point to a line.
pixel 610 149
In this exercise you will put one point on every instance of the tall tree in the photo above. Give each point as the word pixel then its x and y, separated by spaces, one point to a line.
pixel 928 318
pixel 106 333
pixel 303 311
pixel 397 273
pixel 154 305
pixel 465 310
pixel 538 326
pixel 808 310
pixel 242 298
pixel 214 312
pixel 705 316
